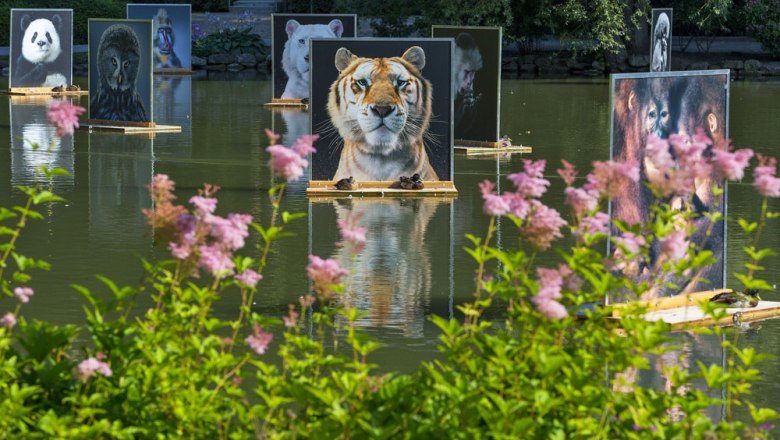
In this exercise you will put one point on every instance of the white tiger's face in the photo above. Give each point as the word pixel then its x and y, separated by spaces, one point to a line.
pixel 382 104
pixel 295 59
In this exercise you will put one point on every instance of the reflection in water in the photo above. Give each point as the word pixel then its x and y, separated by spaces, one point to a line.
pixel 393 275
pixel 120 167
pixel 34 144
pixel 173 106
pixel 295 124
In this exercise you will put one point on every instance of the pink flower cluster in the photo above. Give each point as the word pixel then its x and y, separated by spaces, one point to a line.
pixel 259 340
pixel 351 233
pixel 90 366
pixel 546 299
pixel 593 224
pixel 674 246
pixel 764 179
pixel 324 274
pixel 289 163
pixel 64 115
pixel 8 320
pixel 23 294
pixel 541 223
pixel 608 177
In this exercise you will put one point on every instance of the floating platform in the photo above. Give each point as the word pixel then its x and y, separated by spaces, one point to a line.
pixel 173 71
pixel 128 127
pixel 41 91
pixel 482 147
pixel 288 102
pixel 381 188
pixel 683 310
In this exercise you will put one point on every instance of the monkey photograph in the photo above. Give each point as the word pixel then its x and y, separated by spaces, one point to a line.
pixel 120 70
pixel 171 28
pixel 661 41
pixel 41 49
pixel 664 104
pixel 476 80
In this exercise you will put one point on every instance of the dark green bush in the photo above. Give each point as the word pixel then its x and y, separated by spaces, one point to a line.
pixel 231 41
pixel 762 21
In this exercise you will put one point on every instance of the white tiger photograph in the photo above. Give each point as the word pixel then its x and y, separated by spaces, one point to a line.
pixel 291 34
pixel 383 110
pixel 41 49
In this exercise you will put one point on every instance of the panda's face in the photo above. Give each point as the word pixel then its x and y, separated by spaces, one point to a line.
pixel 41 42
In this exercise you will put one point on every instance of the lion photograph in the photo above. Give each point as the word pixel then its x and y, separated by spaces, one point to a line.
pixel 291 34
pixel 386 110
pixel 663 104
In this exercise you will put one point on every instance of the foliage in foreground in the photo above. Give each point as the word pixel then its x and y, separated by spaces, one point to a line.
pixel 532 370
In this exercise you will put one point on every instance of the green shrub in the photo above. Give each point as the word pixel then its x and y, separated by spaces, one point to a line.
pixel 230 41
pixel 762 18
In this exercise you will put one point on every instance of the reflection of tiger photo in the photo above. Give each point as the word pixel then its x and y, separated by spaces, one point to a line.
pixel 164 39
pixel 381 107
pixel 295 58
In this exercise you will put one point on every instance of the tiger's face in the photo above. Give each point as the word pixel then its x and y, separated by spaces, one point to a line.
pixel 381 104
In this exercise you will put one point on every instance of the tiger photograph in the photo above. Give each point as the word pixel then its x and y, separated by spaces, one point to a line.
pixel 382 109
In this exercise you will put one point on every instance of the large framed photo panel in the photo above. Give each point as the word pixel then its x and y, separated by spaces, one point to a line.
pixel 290 36
pixel 476 81
pixel 663 104
pixel 171 27
pixel 41 52
pixel 382 108
pixel 661 40
pixel 120 70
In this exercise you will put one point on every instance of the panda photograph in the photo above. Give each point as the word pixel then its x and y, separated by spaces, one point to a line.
pixel 171 29
pixel 291 34
pixel 120 70
pixel 476 80
pixel 41 51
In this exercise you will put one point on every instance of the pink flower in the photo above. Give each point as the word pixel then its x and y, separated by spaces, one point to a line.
pixel 542 226
pixel 88 367
pixel 581 200
pixel 272 137
pixel 352 233
pixel 732 165
pixel 286 162
pixel 162 188
pixel 550 282
pixel 764 179
pixel 304 144
pixel 248 278
pixel 674 246
pixel 630 242
pixel 180 252
pixel 306 301
pixel 324 274
pixel 608 177
pixel 65 116
pixel 23 293
pixel 494 204
pixel 550 308
pixel 594 224
pixel 8 320
pixel 531 182
pixel 518 205
pixel 259 340
pixel 213 260
pixel 232 231
pixel 568 173
pixel 203 205
pixel 291 319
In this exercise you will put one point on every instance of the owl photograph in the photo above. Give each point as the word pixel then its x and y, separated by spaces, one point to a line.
pixel 120 70
pixel 41 48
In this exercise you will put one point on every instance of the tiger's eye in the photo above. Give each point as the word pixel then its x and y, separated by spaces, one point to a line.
pixel 362 83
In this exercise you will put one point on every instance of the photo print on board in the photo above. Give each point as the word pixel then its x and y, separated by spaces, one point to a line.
pixel 290 36
pixel 661 40
pixel 664 104
pixel 41 51
pixel 382 108
pixel 171 27
pixel 476 82
pixel 120 70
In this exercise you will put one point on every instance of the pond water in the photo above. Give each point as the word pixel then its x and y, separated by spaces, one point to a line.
pixel 413 266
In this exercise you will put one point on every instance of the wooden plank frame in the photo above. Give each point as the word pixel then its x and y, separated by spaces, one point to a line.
pixel 381 188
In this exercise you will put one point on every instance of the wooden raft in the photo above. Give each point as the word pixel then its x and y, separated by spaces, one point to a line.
pixel 483 147
pixel 381 188
pixel 288 102
pixel 172 71
pixel 42 91
pixel 128 127
pixel 684 311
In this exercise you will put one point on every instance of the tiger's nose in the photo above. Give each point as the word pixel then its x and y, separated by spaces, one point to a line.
pixel 383 110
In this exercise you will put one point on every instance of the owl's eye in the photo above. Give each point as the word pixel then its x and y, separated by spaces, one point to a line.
pixel 113 61
pixel 126 64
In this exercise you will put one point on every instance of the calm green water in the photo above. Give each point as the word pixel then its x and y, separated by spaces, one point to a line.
pixel 413 266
